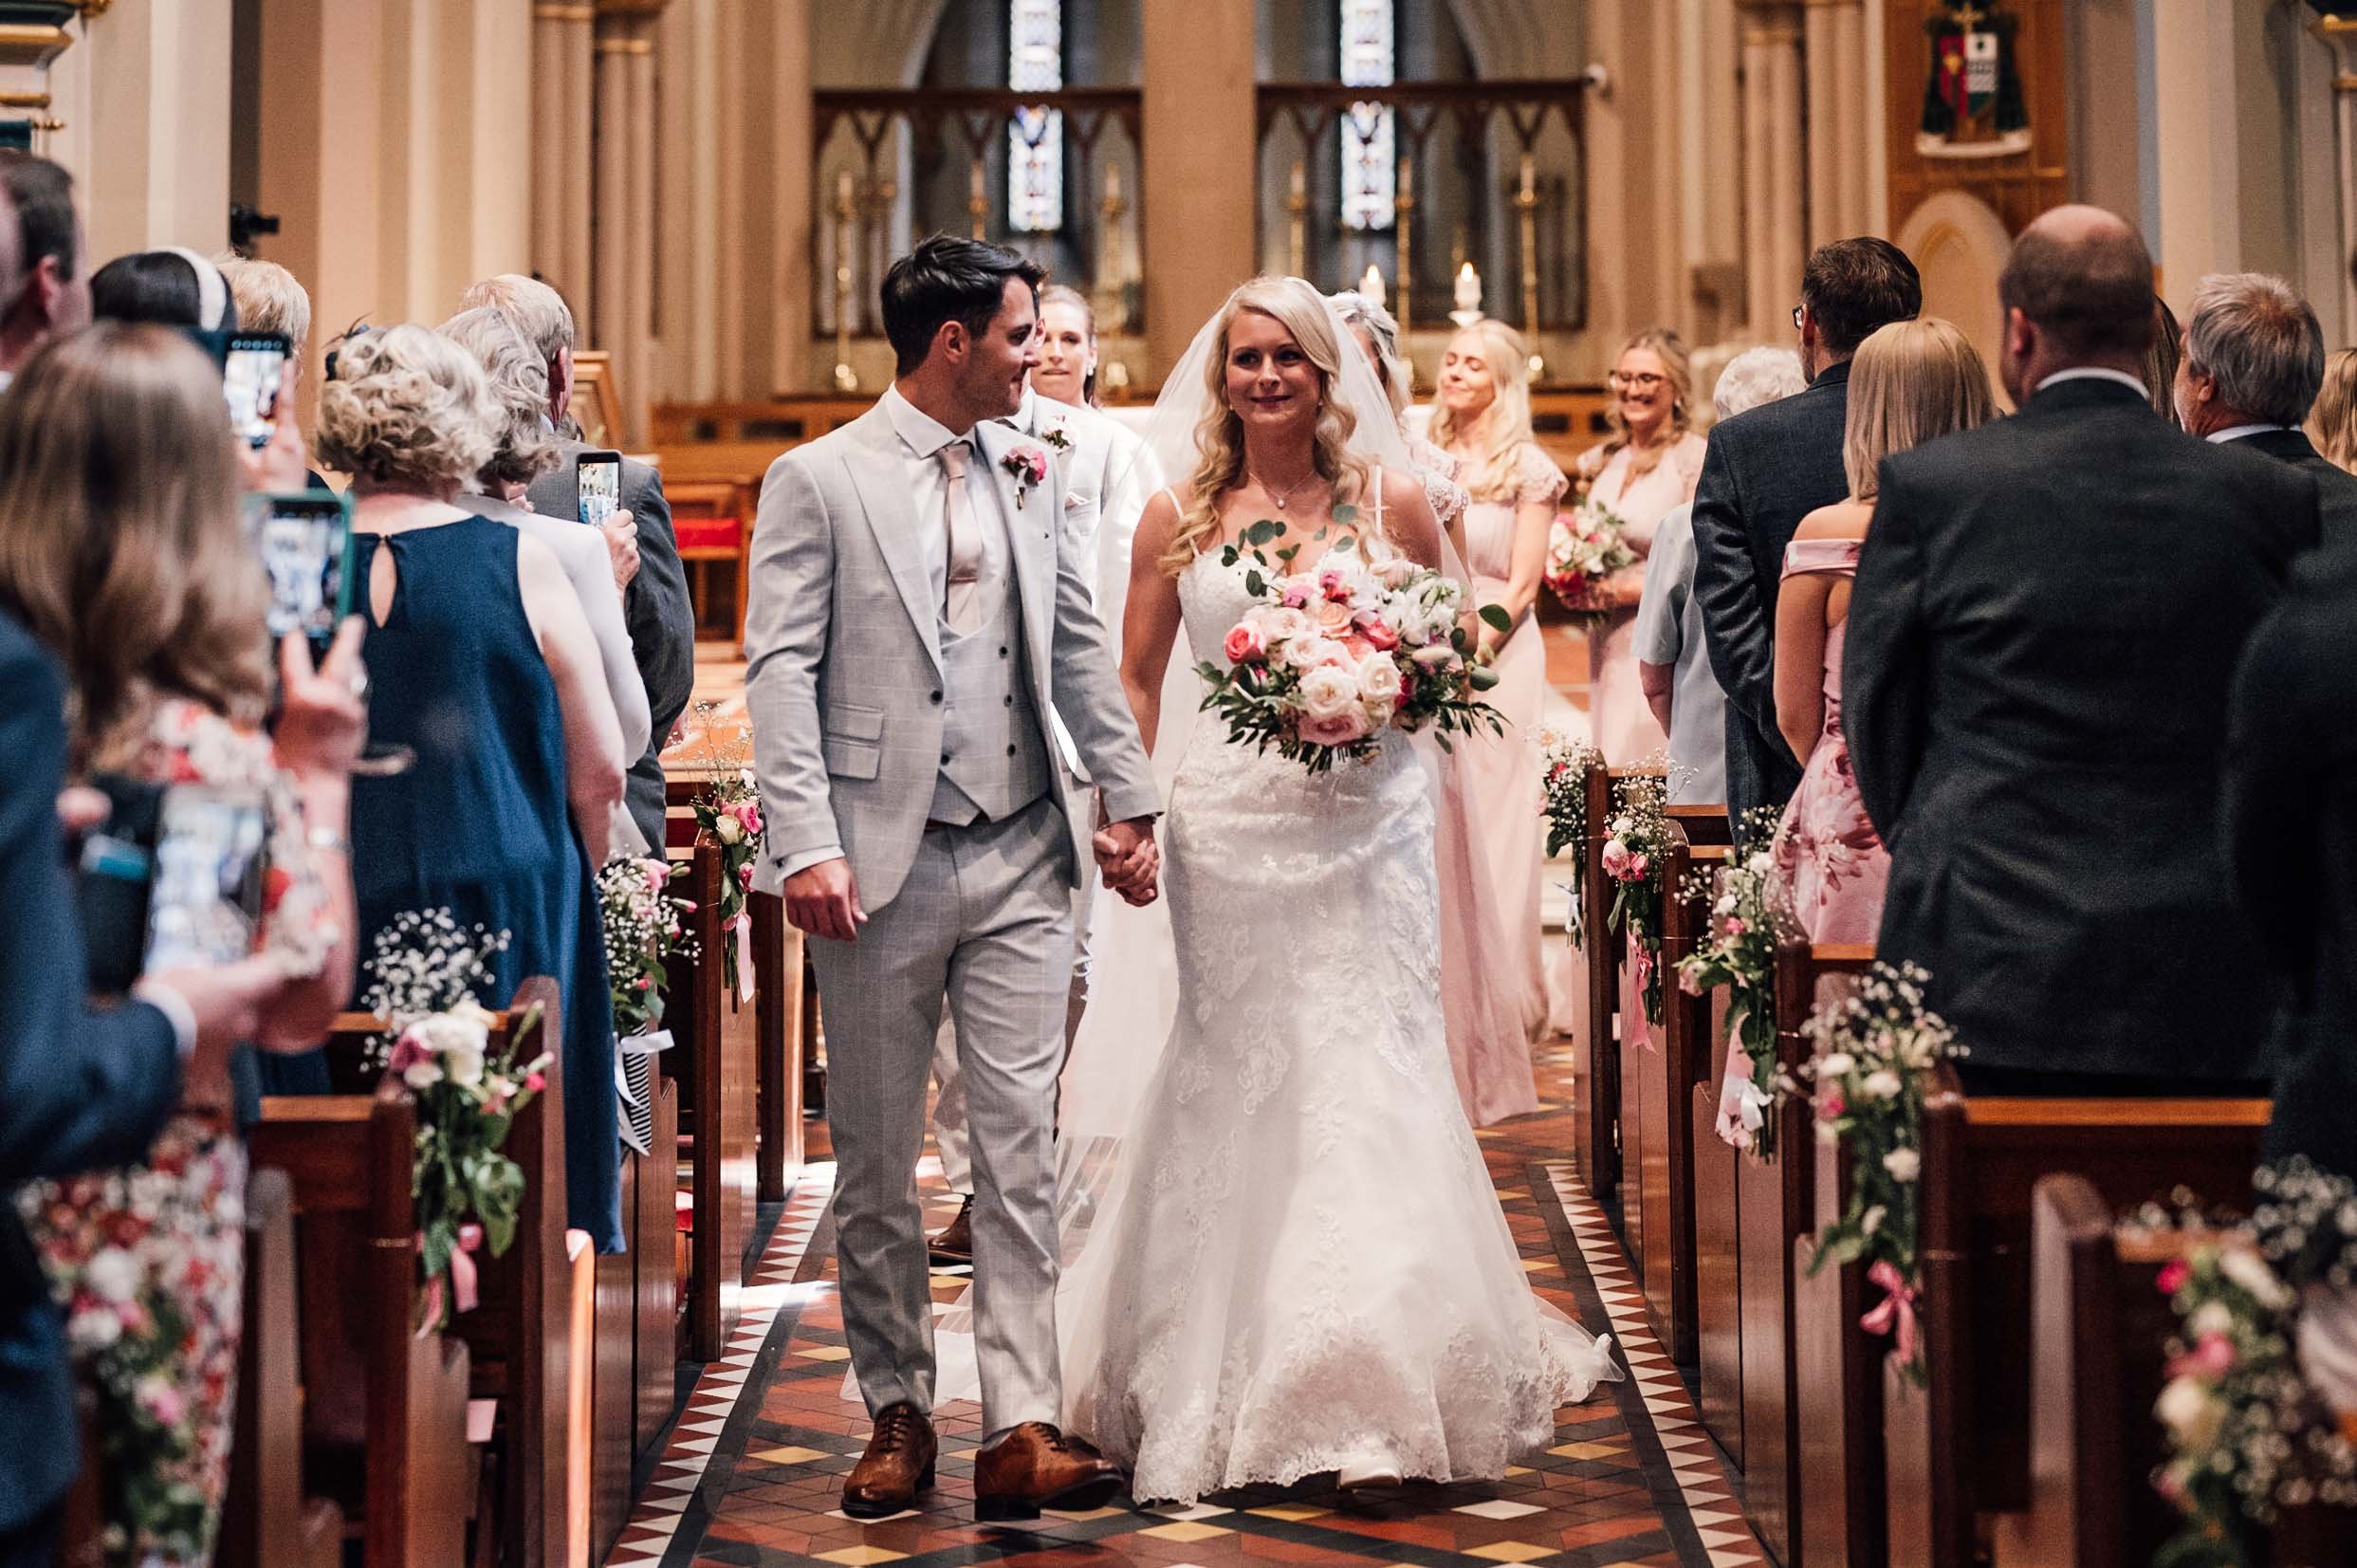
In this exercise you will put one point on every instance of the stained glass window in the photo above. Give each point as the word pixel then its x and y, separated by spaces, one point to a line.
pixel 1369 179
pixel 1035 138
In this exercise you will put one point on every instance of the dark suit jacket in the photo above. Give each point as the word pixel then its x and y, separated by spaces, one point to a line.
pixel 656 608
pixel 2336 487
pixel 78 1087
pixel 2047 616
pixel 1765 470
pixel 2289 820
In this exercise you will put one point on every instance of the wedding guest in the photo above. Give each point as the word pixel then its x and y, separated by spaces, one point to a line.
pixel 1910 382
pixel 47 294
pixel 2253 364
pixel 2332 423
pixel 124 551
pixel 2040 639
pixel 174 287
pixel 501 701
pixel 2161 361
pixel 526 449
pixel 269 298
pixel 1643 471
pixel 1482 1005
pixel 1762 474
pixel 654 588
pixel 1483 420
pixel 1673 666
pixel 1067 368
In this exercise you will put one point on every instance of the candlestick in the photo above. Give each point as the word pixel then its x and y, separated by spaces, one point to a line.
pixel 1526 220
pixel 1371 284
pixel 1469 288
pixel 978 199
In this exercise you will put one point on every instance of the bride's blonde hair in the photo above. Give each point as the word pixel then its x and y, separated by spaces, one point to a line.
pixel 1219 438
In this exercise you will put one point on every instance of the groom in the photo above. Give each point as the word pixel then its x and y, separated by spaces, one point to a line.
pixel 912 622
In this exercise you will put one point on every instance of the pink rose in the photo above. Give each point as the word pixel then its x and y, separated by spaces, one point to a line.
pixel 1377 632
pixel 2213 1356
pixel 1831 1105
pixel 1735 926
pixel 1637 864
pixel 1616 859
pixel 161 1401
pixel 2173 1276
pixel 1245 645
pixel 659 871
pixel 408 1052
pixel 745 877
pixel 1295 596
pixel 1338 730
pixel 1333 617
pixel 1331 584
pixel 748 814
pixel 1688 984
pixel 536 1082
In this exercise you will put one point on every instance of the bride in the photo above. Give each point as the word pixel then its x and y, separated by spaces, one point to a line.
pixel 1301 1265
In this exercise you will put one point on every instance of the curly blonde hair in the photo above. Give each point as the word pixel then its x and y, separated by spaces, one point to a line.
pixel 518 379
pixel 1219 440
pixel 408 410
pixel 122 545
pixel 1500 431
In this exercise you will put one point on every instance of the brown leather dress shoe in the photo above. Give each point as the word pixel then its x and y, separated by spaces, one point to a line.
pixel 898 1466
pixel 1036 1466
pixel 955 1244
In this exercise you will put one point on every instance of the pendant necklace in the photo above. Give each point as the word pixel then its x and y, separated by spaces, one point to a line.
pixel 1289 493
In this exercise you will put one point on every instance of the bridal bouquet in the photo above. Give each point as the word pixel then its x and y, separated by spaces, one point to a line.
pixel 1584 547
pixel 1329 659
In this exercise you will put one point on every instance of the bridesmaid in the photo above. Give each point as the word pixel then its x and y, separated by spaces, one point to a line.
pixel 1481 999
pixel 1645 470
pixel 1911 382
pixel 1483 422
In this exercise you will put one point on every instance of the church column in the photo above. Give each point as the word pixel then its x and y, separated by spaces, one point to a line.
pixel 1200 149
pixel 1774 242
pixel 563 35
pixel 2194 180
pixel 1635 258
pixel 145 105
pixel 621 285
pixel 1839 121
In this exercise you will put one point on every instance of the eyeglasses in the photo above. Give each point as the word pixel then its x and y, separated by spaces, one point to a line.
pixel 1643 380
pixel 1797 310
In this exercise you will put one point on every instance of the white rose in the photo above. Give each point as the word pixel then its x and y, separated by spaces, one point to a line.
pixel 2190 1410
pixel 94 1330
pixel 422 1075
pixel 1378 680
pixel 1329 691
pixel 728 829
pixel 1310 652
pixel 1872 1219
pixel 1881 1084
pixel 1281 624
pixel 1837 1065
pixel 2249 1270
pixel 1903 1164
pixel 1757 864
pixel 1726 904
pixel 1622 827
pixel 2213 1317
pixel 113 1274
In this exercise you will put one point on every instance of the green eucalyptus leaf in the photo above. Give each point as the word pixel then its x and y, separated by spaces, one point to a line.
pixel 1496 619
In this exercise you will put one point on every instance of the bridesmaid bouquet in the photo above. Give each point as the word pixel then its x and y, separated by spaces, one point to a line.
pixel 1331 657
pixel 1584 547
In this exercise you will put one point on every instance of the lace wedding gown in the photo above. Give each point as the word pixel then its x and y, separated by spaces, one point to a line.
pixel 1302 1263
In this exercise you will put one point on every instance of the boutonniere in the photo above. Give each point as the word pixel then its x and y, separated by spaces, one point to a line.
pixel 1029 466
pixel 1054 435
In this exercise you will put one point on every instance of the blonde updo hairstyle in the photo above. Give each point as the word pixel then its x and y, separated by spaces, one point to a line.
pixel 1219 440
pixel 408 410
pixel 1500 431
pixel 518 382
pixel 122 548
pixel 1910 382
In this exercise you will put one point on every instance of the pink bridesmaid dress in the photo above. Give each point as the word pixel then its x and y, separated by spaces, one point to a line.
pixel 1827 853
pixel 1623 726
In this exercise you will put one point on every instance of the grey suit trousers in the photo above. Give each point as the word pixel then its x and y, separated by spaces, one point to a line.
pixel 984 921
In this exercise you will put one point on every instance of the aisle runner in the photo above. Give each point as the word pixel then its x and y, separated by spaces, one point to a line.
pixel 754 1476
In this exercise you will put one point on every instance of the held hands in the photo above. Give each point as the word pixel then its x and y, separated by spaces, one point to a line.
pixel 824 901
pixel 1126 855
pixel 621 531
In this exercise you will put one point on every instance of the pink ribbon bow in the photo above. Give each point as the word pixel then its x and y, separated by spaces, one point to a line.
pixel 1898 1309
pixel 463 1294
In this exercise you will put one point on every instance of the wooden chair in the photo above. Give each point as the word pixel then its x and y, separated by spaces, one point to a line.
pixel 385 1406
pixel 1959 1447
pixel 1657 1087
pixel 715 1062
pixel 267 1521
pixel 712 523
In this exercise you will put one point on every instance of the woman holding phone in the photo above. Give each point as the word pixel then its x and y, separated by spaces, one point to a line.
pixel 151 598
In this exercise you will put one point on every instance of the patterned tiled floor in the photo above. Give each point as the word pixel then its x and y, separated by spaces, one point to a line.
pixel 752 1476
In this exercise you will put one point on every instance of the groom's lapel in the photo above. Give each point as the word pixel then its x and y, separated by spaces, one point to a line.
pixel 1032 513
pixel 877 473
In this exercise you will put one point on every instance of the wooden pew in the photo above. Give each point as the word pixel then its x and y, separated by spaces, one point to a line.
pixel 1595 1052
pixel 633 1362
pixel 714 1062
pixel 385 1406
pixel 780 1047
pixel 1718 1248
pixel 267 1521
pixel 1959 1447
pixel 1657 1086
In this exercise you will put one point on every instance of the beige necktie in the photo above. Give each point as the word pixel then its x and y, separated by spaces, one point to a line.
pixel 960 598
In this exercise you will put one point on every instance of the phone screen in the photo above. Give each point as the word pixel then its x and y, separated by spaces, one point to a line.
pixel 601 476
pixel 205 905
pixel 252 370
pixel 306 544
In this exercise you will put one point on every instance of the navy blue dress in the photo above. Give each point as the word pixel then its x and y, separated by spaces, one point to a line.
pixel 481 824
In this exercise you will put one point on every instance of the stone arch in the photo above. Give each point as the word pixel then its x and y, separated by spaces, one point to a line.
pixel 1959 245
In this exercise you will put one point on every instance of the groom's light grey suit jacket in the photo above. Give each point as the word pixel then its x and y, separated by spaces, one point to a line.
pixel 844 676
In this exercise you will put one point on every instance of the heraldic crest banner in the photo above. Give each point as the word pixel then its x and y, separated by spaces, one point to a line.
pixel 1972 103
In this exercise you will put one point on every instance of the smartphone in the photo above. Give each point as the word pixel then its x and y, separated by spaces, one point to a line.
pixel 205 904
pixel 306 544
pixel 253 368
pixel 600 475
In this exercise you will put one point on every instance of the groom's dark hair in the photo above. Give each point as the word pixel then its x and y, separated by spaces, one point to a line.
pixel 948 279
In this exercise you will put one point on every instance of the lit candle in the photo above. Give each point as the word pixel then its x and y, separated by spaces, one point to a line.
pixel 1371 284
pixel 1469 288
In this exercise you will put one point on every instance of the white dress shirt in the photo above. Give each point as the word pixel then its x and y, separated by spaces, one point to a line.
pixel 2095 373
pixel 2237 432
pixel 924 436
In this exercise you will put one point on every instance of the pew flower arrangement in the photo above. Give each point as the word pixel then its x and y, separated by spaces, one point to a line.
pixel 2259 1414
pixel 1749 915
pixel 1584 547
pixel 425 963
pixel 730 811
pixel 1635 858
pixel 642 929
pixel 1563 764
pixel 1873 1051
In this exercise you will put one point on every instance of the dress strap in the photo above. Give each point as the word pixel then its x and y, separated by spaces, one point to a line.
pixel 1822 555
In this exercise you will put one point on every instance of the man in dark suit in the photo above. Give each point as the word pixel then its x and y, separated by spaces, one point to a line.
pixel 1764 471
pixel 2046 618
pixel 80 1086
pixel 2253 364
pixel 653 583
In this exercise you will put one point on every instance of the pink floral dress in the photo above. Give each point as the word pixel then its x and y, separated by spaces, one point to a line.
pixel 148 1261
pixel 1827 852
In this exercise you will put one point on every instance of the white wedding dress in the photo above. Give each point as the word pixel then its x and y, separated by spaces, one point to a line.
pixel 1301 1265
